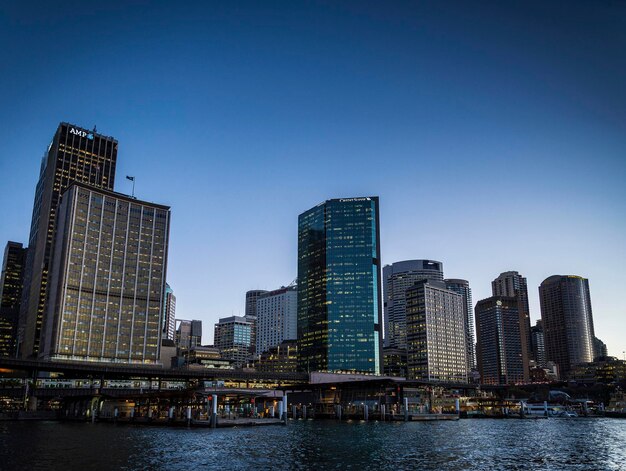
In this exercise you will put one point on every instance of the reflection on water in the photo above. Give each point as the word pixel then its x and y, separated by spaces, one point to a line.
pixel 555 444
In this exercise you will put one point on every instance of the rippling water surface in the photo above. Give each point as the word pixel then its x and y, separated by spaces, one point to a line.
pixel 554 444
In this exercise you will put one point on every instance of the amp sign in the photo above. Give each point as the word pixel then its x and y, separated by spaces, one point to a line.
pixel 81 133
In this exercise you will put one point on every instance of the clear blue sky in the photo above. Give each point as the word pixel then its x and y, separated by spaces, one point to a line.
pixel 494 135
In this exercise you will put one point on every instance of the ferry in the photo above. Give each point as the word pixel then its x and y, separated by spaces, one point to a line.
pixel 617 405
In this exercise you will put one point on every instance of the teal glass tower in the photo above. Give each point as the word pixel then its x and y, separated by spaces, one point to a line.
pixel 339 301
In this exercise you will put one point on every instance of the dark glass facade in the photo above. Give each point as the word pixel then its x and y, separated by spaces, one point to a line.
pixel 567 321
pixel 501 344
pixel 74 155
pixel 339 295
pixel 11 282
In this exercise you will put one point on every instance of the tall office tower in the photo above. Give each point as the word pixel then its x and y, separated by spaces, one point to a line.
pixel 339 296
pixel 107 278
pixel 169 314
pixel 599 349
pixel 74 155
pixel 277 318
pixel 397 278
pixel 188 335
pixel 251 300
pixel 233 336
pixel 11 283
pixel 502 355
pixel 512 284
pixel 463 288
pixel 567 321
pixel 538 344
pixel 435 326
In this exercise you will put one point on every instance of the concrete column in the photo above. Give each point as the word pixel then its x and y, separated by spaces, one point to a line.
pixel 294 412
pixel 284 408
pixel 280 410
pixel 149 413
pixel 93 415
pixel 188 416
pixel 132 413
pixel 382 412
pixel 272 415
pixel 545 408
pixel 116 412
pixel 338 409
pixel 406 409
pixel 365 412
pixel 303 412
pixel 171 413
pixel 457 406
pixel 214 414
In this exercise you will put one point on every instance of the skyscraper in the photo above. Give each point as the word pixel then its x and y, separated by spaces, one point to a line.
pixel 188 335
pixel 502 357
pixel 107 278
pixel 567 321
pixel 169 314
pixel 339 296
pixel 463 288
pixel 11 282
pixel 512 284
pixel 74 155
pixel 277 318
pixel 397 278
pixel 233 336
pixel 251 300
pixel 435 324
pixel 538 344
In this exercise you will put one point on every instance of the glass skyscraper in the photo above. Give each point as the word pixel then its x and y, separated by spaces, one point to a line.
pixel 339 295
pixel 567 321
pixel 11 281
pixel 107 278
pixel 74 155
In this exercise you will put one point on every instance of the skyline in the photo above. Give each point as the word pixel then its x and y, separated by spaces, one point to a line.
pixel 395 107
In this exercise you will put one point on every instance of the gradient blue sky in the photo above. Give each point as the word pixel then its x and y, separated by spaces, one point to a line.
pixel 494 135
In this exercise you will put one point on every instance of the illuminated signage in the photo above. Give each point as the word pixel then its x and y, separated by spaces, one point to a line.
pixel 350 200
pixel 81 133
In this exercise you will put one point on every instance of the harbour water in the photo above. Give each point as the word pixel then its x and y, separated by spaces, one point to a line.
pixel 553 444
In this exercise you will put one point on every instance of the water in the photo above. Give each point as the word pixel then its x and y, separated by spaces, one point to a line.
pixel 554 444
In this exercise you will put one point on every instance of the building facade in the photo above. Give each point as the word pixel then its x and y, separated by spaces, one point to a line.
pixel 339 295
pixel 538 344
pixel 501 348
pixel 188 335
pixel 107 278
pixel 277 318
pixel 397 278
pixel 567 321
pixel 169 314
pixel 512 284
pixel 11 284
pixel 74 155
pixel 463 288
pixel 233 337
pixel 282 358
pixel 435 322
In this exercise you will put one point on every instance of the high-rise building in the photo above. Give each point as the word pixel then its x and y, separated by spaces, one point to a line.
pixel 567 321
pixel 11 283
pixel 512 284
pixel 233 336
pixel 501 348
pixel 435 325
pixel 339 296
pixel 599 349
pixel 277 318
pixel 538 344
pixel 107 278
pixel 169 314
pixel 188 335
pixel 282 358
pixel 397 278
pixel 74 155
pixel 463 288
pixel 251 300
